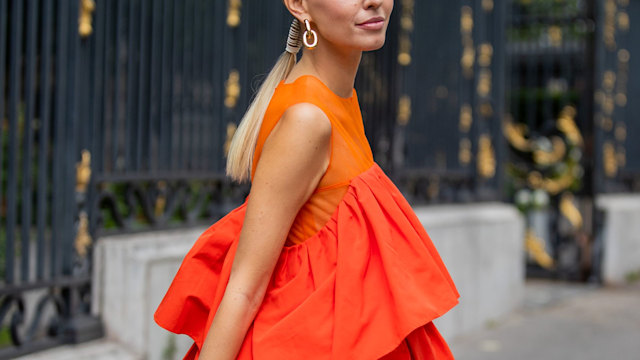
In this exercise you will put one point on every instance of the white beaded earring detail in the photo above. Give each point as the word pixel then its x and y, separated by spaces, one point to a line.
pixel 309 34
pixel 293 40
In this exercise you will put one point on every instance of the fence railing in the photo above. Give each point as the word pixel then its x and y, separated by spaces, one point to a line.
pixel 173 79
pixel 446 142
pixel 617 84
pixel 45 277
pixel 569 124
pixel 548 128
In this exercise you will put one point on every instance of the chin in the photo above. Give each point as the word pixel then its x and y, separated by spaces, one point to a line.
pixel 373 45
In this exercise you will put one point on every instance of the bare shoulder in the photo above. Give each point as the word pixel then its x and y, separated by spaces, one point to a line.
pixel 296 153
pixel 302 134
pixel 307 118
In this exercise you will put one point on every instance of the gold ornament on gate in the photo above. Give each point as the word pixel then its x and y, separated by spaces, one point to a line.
pixel 85 18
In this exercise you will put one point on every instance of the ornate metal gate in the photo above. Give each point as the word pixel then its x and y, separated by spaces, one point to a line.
pixel 617 86
pixel 45 272
pixel 116 116
pixel 446 143
pixel 549 129
pixel 119 114
pixel 567 148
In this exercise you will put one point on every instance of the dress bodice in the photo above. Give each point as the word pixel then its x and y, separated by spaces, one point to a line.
pixel 350 151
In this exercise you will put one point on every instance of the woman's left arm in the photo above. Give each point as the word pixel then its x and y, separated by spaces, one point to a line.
pixel 293 159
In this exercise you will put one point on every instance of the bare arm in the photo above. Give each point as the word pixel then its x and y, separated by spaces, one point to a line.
pixel 293 159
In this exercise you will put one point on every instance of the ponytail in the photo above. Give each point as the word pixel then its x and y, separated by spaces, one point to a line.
pixel 243 143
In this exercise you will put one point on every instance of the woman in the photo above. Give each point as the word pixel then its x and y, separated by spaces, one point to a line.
pixel 325 259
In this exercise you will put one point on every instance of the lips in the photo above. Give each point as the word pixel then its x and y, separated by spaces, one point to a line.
pixel 375 23
pixel 373 20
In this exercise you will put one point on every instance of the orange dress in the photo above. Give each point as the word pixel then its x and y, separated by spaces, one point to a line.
pixel 358 278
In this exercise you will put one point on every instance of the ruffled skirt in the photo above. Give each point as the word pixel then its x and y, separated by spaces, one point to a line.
pixel 366 286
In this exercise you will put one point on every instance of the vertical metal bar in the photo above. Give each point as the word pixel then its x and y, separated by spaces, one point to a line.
pixel 242 61
pixel 192 111
pixel 512 104
pixel 179 102
pixel 187 87
pixel 98 91
pixel 96 112
pixel 547 61
pixel 501 79
pixel 530 83
pixel 219 128
pixel 592 183
pixel 155 83
pixel 194 86
pixel 43 138
pixel 14 99
pixel 132 100
pixel 207 116
pixel 147 135
pixel 86 79
pixel 200 61
pixel 142 88
pixel 117 140
pixel 164 153
pixel 192 139
pixel 29 94
pixel 3 47
pixel 58 198
pixel 198 136
pixel 588 110
pixel 176 88
pixel 71 150
pixel 109 139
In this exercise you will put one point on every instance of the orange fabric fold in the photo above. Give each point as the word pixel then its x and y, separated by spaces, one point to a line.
pixel 369 282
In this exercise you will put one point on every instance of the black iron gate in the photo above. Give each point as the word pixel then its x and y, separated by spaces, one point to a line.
pixel 617 86
pixel 119 113
pixel 569 124
pixel 550 131
pixel 449 99
pixel 44 243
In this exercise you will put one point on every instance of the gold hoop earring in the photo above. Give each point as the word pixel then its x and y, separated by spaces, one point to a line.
pixel 309 34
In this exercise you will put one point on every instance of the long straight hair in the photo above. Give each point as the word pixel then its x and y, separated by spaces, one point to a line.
pixel 243 143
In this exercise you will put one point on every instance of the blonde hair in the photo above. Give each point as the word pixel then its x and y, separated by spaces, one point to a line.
pixel 243 143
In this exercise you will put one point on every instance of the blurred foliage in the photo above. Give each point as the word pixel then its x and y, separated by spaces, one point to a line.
pixel 527 14
pixel 170 349
pixel 550 7
pixel 633 277
pixel 5 337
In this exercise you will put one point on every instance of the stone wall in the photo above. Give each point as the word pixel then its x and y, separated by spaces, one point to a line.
pixel 132 274
pixel 482 246
pixel 620 237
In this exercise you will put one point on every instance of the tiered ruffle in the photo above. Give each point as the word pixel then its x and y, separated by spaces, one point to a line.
pixel 355 290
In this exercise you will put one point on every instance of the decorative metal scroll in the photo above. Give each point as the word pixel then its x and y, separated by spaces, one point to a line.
pixel 142 204
pixel 548 129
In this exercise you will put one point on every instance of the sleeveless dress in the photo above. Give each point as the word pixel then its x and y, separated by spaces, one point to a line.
pixel 358 277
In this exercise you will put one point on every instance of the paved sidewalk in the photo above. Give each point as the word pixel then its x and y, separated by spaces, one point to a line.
pixel 564 322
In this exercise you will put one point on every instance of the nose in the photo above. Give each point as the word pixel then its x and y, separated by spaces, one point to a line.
pixel 372 4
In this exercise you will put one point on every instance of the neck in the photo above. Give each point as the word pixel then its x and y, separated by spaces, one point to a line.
pixel 336 68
